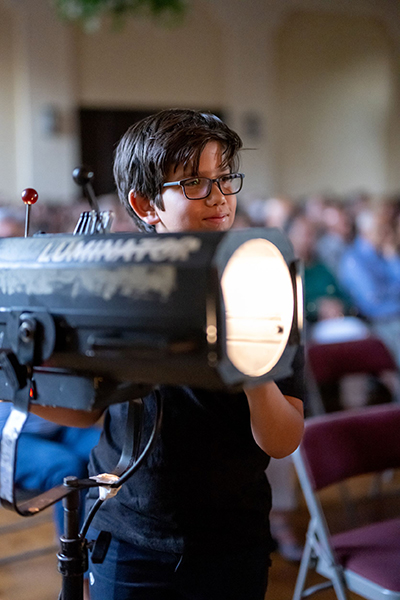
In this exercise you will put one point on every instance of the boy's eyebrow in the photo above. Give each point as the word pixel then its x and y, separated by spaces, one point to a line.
pixel 222 169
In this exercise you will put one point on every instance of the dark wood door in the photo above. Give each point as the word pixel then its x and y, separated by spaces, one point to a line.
pixel 100 132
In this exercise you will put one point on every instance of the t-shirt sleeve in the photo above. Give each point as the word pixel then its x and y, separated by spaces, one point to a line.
pixel 294 385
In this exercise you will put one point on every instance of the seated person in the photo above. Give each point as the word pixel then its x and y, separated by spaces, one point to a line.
pixel 370 273
pixel 322 291
pixel 48 452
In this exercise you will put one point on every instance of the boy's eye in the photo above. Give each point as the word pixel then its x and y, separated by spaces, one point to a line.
pixel 226 178
pixel 192 182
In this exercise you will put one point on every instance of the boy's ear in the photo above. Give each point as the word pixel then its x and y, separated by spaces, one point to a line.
pixel 143 207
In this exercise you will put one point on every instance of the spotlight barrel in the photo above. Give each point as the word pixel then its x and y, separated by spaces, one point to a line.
pixel 93 317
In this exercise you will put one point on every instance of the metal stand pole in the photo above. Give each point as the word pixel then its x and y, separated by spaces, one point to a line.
pixel 72 558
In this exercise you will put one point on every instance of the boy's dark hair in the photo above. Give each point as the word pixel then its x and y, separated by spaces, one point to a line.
pixel 167 139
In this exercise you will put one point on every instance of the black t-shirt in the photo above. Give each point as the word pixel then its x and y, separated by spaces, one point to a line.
pixel 204 484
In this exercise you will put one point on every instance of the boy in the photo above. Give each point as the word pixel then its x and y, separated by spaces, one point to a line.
pixel 192 522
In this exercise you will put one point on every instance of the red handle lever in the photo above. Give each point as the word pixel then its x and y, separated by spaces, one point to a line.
pixel 29 196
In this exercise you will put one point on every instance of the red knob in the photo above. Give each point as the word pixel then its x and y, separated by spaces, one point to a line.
pixel 29 196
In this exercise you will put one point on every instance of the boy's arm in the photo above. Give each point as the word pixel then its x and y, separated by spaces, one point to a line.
pixel 66 416
pixel 277 421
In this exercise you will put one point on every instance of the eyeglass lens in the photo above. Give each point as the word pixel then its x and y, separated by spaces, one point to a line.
pixel 200 187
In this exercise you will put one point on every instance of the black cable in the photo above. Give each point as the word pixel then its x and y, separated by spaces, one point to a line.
pixel 147 450
pixel 150 444
pixel 90 517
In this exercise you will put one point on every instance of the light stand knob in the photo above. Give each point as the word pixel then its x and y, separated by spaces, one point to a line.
pixel 83 176
pixel 29 196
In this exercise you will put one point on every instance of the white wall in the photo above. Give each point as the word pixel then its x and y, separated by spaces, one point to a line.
pixel 335 87
pixel 246 58
pixel 146 64
pixel 7 100
pixel 49 62
pixel 41 76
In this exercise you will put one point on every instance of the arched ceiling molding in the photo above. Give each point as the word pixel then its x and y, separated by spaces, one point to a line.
pixel 386 11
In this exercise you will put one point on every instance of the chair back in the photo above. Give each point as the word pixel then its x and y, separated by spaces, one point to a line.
pixel 340 445
pixel 331 362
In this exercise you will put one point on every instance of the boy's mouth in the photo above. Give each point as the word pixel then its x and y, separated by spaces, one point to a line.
pixel 217 223
pixel 219 218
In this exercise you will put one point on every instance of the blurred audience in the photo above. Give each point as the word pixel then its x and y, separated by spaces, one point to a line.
pixel 278 212
pixel 337 232
pixel 323 296
pixel 12 222
pixel 242 218
pixel 370 271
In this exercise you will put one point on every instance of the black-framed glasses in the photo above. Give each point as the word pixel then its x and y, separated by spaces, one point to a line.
pixel 197 188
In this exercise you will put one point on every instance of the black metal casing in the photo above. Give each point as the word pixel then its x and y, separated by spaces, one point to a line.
pixel 97 317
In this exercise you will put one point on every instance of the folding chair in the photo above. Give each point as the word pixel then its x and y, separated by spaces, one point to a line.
pixel 336 447
pixel 327 364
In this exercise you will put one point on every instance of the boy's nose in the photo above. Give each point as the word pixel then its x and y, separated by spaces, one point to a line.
pixel 216 196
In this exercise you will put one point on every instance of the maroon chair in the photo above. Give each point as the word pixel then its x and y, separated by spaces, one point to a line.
pixel 329 363
pixel 336 447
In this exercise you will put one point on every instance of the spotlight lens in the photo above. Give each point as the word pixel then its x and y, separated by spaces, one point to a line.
pixel 259 304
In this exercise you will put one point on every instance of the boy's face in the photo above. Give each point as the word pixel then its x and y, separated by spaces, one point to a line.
pixel 214 213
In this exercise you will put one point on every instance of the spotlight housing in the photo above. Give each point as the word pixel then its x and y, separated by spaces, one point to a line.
pixel 86 321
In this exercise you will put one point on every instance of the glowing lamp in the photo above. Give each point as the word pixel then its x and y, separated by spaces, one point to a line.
pixel 258 322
